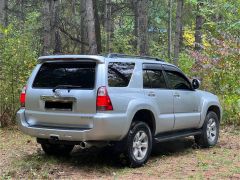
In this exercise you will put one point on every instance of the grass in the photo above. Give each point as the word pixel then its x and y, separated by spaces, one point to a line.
pixel 22 157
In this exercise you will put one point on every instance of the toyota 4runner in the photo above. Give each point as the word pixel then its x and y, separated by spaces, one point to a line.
pixel 130 102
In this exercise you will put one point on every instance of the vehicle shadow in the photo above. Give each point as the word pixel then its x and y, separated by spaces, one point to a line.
pixel 174 147
pixel 100 160
pixel 95 157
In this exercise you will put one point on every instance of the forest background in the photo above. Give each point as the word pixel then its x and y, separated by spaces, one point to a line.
pixel 202 37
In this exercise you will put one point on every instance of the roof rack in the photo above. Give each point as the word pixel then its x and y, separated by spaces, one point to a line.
pixel 116 55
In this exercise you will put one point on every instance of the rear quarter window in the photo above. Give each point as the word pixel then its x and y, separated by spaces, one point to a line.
pixel 120 73
pixel 54 74
pixel 153 79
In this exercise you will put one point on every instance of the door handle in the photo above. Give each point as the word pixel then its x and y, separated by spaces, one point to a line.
pixel 177 95
pixel 151 94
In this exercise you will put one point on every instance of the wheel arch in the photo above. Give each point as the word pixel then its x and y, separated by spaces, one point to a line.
pixel 210 106
pixel 147 116
pixel 215 109
pixel 138 107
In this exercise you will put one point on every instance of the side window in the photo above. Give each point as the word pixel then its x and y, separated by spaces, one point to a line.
pixel 153 79
pixel 119 73
pixel 178 81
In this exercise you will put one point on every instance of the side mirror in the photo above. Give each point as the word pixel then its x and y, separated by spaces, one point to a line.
pixel 195 83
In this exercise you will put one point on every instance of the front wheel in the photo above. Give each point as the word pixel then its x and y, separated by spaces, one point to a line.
pixel 139 144
pixel 210 131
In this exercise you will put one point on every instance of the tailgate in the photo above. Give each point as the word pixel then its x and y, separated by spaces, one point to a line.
pixel 62 94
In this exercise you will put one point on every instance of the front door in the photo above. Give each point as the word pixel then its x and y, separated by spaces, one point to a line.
pixel 186 102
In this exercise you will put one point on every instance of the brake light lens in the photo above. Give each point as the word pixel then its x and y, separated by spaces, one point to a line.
pixel 103 100
pixel 23 97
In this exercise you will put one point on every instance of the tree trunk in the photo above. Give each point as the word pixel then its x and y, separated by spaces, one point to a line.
pixel 141 26
pixel 97 26
pixel 91 27
pixel 46 27
pixel 108 24
pixel 55 32
pixel 198 28
pixel 181 37
pixel 84 36
pixel 3 13
pixel 3 23
pixel 58 43
pixel 135 11
pixel 178 31
pixel 169 28
pixel 51 34
pixel 73 5
pixel 21 9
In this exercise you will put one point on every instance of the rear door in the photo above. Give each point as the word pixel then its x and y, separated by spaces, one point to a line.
pixel 186 100
pixel 62 94
pixel 155 88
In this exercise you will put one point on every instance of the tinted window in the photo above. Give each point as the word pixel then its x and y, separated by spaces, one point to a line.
pixel 51 75
pixel 119 74
pixel 153 79
pixel 178 81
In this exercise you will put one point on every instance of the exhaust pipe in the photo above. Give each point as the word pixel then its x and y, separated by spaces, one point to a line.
pixel 85 145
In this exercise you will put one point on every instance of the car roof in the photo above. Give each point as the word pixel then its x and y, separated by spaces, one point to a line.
pixel 103 58
pixel 137 60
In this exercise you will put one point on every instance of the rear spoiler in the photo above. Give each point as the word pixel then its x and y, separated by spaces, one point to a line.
pixel 94 58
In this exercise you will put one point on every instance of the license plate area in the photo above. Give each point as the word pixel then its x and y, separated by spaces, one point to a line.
pixel 58 105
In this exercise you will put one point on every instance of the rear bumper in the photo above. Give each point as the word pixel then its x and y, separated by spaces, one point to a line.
pixel 107 127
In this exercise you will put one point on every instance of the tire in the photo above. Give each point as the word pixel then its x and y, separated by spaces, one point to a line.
pixel 139 144
pixel 57 149
pixel 210 131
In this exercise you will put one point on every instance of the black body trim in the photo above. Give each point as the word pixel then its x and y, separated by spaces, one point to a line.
pixel 177 134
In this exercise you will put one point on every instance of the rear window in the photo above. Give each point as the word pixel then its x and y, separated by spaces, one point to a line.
pixel 119 73
pixel 77 74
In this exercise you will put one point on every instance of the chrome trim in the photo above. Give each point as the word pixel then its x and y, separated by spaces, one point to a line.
pixel 58 99
pixel 57 109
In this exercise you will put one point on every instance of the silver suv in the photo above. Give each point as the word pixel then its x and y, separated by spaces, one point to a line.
pixel 128 102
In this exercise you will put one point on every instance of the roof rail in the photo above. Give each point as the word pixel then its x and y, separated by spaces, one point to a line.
pixel 116 55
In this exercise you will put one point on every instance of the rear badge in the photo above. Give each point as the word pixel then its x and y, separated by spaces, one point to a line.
pixel 57 93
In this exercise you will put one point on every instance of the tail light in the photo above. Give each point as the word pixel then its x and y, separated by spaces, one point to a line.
pixel 23 96
pixel 103 100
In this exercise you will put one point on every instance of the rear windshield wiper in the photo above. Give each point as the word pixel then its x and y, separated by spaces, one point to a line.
pixel 68 87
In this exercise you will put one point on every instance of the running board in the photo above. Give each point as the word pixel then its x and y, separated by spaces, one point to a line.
pixel 175 135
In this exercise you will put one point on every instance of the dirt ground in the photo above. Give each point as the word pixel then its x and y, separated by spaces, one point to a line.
pixel 22 157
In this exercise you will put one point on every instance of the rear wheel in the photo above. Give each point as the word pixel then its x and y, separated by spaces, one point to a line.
pixel 139 144
pixel 210 131
pixel 57 149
